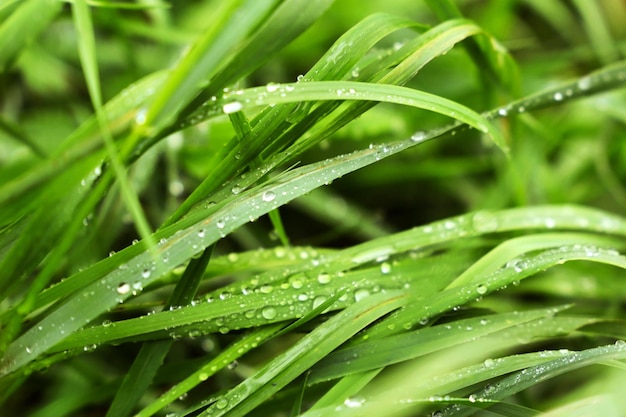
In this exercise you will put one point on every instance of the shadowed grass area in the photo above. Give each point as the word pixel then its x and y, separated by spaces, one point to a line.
pixel 290 207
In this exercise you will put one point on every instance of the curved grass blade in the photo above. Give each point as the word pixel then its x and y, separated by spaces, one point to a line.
pixel 379 353
pixel 205 233
pixel 288 21
pixel 293 362
pixel 512 272
pixel 115 286
pixel 353 90
pixel 336 63
pixel 534 375
pixel 230 23
pixel 232 353
pixel 510 249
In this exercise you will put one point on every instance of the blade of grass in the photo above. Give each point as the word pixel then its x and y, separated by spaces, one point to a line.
pixel 23 26
pixel 344 164
pixel 151 355
pixel 87 54
pixel 293 362
pixel 232 353
pixel 370 355
pixel 533 375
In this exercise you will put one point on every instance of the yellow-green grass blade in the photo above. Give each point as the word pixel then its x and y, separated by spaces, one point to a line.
pixel 23 26
pixel 536 374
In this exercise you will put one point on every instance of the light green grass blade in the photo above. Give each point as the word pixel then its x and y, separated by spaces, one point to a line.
pixel 287 366
pixel 531 376
pixel 23 27
pixel 226 357
pixel 352 90
pixel 270 124
pixel 597 31
pixel 234 352
pixel 87 53
pixel 367 356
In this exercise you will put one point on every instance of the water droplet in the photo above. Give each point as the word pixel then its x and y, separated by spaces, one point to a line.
pixel 266 289
pixel 516 264
pixel 221 223
pixel 201 233
pixel 489 363
pixel 137 287
pixel 472 398
pixel 222 403
pixel 123 288
pixel 107 323
pixel 323 278
pixel 271 87
pixel 385 268
pixel 28 350
pixel 232 107
pixel 584 83
pixel 361 294
pixel 449 224
pixel 558 96
pixel 303 297
pixel 549 223
pixel 503 112
pixel 203 376
pixel 318 301
pixel 268 196
pixel 353 402
pixel 482 289
pixel 418 136
pixel 236 189
pixel 140 117
pixel 176 188
pixel 268 313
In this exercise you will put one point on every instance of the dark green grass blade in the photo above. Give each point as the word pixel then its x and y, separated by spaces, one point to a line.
pixel 151 355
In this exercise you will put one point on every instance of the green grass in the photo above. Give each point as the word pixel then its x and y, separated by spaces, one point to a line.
pixel 312 207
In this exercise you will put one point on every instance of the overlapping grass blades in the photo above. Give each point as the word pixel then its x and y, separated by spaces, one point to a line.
pixel 333 330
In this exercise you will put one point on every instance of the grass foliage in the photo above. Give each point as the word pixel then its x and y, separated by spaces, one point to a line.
pixel 312 207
